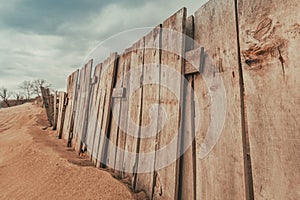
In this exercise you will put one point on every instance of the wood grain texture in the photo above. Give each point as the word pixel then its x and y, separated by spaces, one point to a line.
pixel 188 171
pixel 170 99
pixel 134 99
pixel 86 103
pixel 93 109
pixel 71 84
pixel 61 113
pixel 149 118
pixel 48 103
pixel 82 105
pixel 124 115
pixel 220 174
pixel 269 45
pixel 115 117
pixel 55 110
pixel 78 110
pixel 108 75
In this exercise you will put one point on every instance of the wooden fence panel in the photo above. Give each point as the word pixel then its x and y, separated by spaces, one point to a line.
pixel 61 113
pixel 150 97
pixel 123 113
pixel 71 84
pixel 86 103
pixel 78 110
pixel 101 104
pixel 83 105
pixel 48 103
pixel 170 99
pixel 269 46
pixel 73 107
pixel 115 117
pixel 188 160
pixel 220 173
pixel 94 108
pixel 55 110
pixel 188 171
pixel 134 108
pixel 108 75
pixel 71 139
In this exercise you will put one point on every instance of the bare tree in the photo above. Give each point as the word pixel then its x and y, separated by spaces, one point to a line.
pixel 18 96
pixel 37 84
pixel 27 87
pixel 4 94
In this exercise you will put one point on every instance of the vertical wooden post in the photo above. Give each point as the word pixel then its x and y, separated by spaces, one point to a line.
pixel 220 172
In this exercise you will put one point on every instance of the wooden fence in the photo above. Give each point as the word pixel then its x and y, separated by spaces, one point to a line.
pixel 250 51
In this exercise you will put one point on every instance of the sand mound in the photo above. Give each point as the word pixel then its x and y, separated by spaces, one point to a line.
pixel 34 164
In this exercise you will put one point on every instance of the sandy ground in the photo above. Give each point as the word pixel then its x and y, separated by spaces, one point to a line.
pixel 34 164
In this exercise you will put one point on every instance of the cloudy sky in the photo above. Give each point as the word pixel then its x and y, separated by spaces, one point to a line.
pixel 49 39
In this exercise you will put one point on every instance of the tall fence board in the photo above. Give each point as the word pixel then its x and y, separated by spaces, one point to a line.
pixel 48 103
pixel 134 98
pixel 83 105
pixel 220 175
pixel 115 117
pixel 170 99
pixel 124 115
pixel 149 118
pixel 61 113
pixel 94 109
pixel 55 111
pixel 269 44
pixel 78 111
pixel 188 175
pixel 71 85
pixel 108 75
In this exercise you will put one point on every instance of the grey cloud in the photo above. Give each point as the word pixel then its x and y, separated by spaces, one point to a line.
pixel 50 38
pixel 44 16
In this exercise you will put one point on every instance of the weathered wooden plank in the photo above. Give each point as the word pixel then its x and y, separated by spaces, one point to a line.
pixel 83 104
pixel 269 46
pixel 78 110
pixel 134 99
pixel 124 115
pixel 48 103
pixel 149 118
pixel 93 109
pixel 55 110
pixel 108 74
pixel 51 107
pixel 72 79
pixel 170 99
pixel 61 113
pixel 187 167
pixel 73 100
pixel 101 102
pixel 219 149
pixel 64 135
pixel 86 108
pixel 115 117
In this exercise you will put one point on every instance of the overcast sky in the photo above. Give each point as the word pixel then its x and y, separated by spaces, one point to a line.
pixel 49 39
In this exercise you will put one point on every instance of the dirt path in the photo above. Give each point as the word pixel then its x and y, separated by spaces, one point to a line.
pixel 34 164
